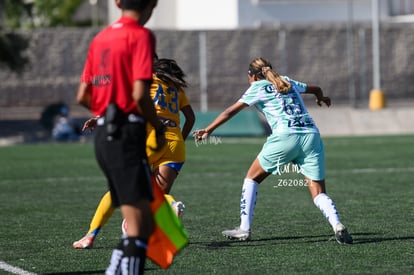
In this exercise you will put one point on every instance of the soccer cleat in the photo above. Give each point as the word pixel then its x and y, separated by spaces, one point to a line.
pixel 178 207
pixel 237 234
pixel 84 243
pixel 341 234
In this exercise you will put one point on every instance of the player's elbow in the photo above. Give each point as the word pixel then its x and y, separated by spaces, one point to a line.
pixel 189 115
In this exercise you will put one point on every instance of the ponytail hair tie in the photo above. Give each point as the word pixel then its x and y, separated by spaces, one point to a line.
pixel 265 69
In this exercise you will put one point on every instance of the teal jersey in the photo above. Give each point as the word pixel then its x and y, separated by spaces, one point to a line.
pixel 285 112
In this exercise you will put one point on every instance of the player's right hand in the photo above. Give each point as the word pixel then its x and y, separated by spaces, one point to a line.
pixel 160 139
pixel 200 134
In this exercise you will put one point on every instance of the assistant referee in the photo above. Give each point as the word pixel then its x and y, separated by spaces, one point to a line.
pixel 114 86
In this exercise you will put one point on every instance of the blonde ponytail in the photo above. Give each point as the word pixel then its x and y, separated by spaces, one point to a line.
pixel 263 69
pixel 282 85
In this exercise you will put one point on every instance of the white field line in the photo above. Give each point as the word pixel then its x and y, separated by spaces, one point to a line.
pixel 14 270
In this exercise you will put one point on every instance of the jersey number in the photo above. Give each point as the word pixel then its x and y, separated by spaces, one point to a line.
pixel 172 103
pixel 293 108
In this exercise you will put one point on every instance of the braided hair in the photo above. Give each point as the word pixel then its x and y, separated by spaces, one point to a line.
pixel 168 71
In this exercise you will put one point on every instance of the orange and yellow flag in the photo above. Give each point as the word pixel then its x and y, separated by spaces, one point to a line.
pixel 169 235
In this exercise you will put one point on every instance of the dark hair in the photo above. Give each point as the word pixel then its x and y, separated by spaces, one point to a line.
pixel 137 5
pixel 168 71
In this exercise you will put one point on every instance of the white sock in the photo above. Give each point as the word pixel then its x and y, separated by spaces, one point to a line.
pixel 328 208
pixel 115 263
pixel 247 203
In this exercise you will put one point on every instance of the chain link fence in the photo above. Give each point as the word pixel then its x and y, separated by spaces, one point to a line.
pixel 335 57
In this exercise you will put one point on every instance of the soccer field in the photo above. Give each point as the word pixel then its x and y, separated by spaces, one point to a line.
pixel 48 194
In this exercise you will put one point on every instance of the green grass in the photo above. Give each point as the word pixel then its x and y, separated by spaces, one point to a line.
pixel 49 192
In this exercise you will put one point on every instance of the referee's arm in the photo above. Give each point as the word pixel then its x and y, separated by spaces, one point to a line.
pixel 145 105
pixel 84 95
pixel 146 108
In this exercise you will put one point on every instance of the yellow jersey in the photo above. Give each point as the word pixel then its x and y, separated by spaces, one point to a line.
pixel 168 102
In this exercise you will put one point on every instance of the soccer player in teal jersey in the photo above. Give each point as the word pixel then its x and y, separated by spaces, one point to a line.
pixel 294 139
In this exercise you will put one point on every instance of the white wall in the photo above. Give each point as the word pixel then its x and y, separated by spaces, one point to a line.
pixel 211 14
pixel 188 14
pixel 195 14
pixel 113 12
pixel 255 13
pixel 233 14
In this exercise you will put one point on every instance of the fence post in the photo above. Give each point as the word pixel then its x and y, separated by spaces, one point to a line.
pixel 282 51
pixel 376 100
pixel 363 65
pixel 203 71
pixel 350 53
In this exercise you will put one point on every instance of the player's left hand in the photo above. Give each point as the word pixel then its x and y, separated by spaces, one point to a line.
pixel 325 100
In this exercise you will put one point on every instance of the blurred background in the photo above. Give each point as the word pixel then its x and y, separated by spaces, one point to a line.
pixel 359 51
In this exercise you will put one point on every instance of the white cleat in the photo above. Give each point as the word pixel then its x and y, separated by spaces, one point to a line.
pixel 237 234
pixel 178 207
pixel 84 243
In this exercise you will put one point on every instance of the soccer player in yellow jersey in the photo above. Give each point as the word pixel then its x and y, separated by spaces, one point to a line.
pixel 169 100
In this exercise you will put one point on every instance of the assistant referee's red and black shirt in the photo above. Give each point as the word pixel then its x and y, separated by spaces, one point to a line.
pixel 118 55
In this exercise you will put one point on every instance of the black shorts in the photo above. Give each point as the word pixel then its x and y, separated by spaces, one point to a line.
pixel 124 163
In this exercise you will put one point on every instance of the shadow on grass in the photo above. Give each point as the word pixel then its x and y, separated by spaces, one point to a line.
pixel 362 238
pixel 77 272
pixel 85 272
pixel 259 241
pixel 359 238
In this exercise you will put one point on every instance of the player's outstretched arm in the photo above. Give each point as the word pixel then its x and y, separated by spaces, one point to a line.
pixel 219 120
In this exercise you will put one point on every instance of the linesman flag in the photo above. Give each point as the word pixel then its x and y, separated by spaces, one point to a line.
pixel 169 235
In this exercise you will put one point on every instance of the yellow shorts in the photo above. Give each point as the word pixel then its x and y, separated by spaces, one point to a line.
pixel 172 155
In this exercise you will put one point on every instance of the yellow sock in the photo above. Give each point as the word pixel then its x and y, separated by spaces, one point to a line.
pixel 102 214
pixel 169 198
